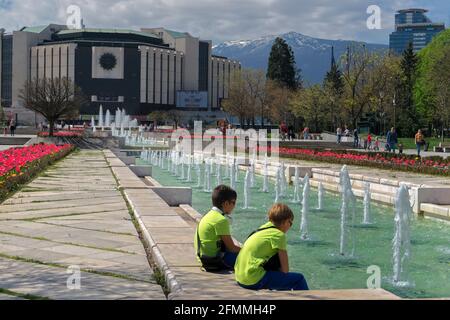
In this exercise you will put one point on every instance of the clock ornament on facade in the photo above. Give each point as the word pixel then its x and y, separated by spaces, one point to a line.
pixel 108 61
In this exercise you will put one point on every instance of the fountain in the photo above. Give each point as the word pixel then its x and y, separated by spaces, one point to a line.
pixel 305 209
pixel 198 169
pixel 367 216
pixel 252 172
pixel 320 195
pixel 283 188
pixel 347 198
pixel 277 185
pixel 189 174
pixel 401 244
pixel 92 122
pixel 100 117
pixel 232 174
pixel 108 119
pixel 247 183
pixel 265 187
pixel 207 179
pixel 297 186
pixel 218 173
pixel 320 244
pixel 182 177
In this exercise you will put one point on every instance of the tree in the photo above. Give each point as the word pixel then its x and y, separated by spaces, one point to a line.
pixel 311 105
pixel 56 98
pixel 333 85
pixel 158 116
pixel 407 111
pixel 281 67
pixel 277 100
pixel 384 78
pixel 246 96
pixel 357 63
pixel 174 116
pixel 431 88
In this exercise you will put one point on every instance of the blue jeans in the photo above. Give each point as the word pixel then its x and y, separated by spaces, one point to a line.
pixel 229 259
pixel 418 145
pixel 277 280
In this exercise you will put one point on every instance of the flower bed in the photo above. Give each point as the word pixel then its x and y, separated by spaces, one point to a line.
pixel 382 160
pixel 19 165
pixel 65 134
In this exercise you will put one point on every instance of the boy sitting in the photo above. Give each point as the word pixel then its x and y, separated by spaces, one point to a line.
pixel 262 262
pixel 217 250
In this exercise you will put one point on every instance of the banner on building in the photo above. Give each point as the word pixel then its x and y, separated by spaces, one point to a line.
pixel 192 99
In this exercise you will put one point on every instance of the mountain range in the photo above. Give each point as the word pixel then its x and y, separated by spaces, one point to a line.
pixel 312 55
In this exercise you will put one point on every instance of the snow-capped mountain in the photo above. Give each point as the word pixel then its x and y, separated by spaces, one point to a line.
pixel 312 55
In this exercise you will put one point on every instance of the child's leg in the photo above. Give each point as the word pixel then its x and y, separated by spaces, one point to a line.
pixel 277 280
pixel 229 259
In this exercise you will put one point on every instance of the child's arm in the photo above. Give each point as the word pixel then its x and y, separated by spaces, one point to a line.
pixel 229 244
pixel 282 254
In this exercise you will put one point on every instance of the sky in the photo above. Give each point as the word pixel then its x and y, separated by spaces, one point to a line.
pixel 226 19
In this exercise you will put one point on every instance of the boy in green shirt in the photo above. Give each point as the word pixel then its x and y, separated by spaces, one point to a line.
pixel 217 250
pixel 268 244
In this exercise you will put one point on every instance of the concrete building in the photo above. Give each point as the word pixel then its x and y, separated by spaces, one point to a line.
pixel 141 71
pixel 413 26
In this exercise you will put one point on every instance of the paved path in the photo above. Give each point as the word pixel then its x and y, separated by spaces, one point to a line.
pixel 73 214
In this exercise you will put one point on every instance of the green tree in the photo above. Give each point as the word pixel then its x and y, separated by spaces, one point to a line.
pixel 281 67
pixel 333 86
pixel 311 105
pixel 431 88
pixel 407 117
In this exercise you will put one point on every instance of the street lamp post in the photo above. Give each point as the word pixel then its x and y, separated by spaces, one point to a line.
pixel 395 117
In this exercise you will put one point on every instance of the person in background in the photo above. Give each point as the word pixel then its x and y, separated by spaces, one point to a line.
pixel 283 130
pixel 392 140
pixel 369 141
pixel 339 134
pixel 419 140
pixel 377 144
pixel 12 126
pixel 355 138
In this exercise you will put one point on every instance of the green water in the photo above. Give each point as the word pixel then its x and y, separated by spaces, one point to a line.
pixel 318 259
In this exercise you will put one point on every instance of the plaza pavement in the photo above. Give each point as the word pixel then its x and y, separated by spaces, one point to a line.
pixel 73 215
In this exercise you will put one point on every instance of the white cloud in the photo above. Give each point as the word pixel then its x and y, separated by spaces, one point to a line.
pixel 218 20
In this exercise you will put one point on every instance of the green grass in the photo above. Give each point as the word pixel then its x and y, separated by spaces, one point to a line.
pixel 408 143
pixel 22 295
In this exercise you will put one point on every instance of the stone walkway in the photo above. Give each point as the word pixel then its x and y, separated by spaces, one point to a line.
pixel 73 215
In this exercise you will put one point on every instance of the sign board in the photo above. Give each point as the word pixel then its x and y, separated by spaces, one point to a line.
pixel 192 99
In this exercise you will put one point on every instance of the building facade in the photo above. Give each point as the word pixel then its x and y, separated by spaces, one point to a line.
pixel 413 26
pixel 139 71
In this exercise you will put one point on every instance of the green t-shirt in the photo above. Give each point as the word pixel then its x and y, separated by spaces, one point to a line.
pixel 256 251
pixel 211 227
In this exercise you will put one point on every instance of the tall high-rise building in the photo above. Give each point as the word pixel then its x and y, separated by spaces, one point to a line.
pixel 413 26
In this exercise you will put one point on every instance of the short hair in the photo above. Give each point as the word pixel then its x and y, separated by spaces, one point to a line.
pixel 222 193
pixel 280 212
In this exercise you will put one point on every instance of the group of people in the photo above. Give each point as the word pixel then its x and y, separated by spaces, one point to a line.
pixel 262 261
pixel 11 124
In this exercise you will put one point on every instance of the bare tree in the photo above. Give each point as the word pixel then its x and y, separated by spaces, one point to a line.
pixel 357 62
pixel 56 98
pixel 238 97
